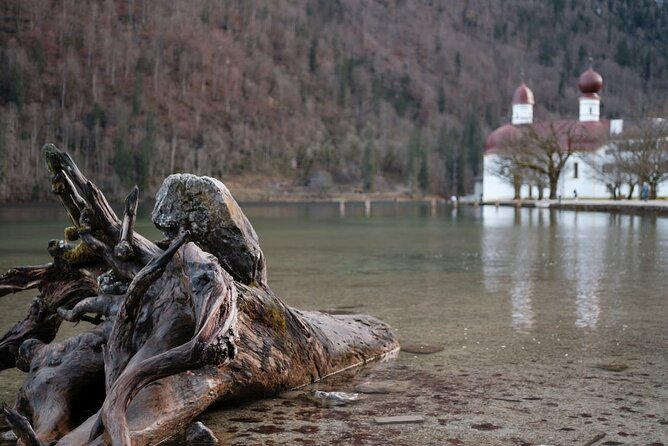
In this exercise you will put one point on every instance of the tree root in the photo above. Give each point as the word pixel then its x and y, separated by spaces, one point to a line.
pixel 21 426
pixel 179 324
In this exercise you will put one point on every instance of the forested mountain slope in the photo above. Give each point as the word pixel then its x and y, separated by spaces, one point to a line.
pixel 377 94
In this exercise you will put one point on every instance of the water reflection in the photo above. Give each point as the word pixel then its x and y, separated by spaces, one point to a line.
pixel 584 250
pixel 508 253
pixel 553 265
pixel 523 284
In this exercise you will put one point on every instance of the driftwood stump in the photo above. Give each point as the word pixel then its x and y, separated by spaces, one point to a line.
pixel 176 325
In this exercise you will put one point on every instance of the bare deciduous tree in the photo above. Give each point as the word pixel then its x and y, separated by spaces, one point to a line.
pixel 610 168
pixel 545 148
pixel 643 151
pixel 505 167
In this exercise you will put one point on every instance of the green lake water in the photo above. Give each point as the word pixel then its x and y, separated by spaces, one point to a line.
pixel 532 308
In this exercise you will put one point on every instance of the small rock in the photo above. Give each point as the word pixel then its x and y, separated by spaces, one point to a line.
pixel 399 419
pixel 420 349
pixel 612 367
pixel 485 427
pixel 334 398
pixel 382 387
pixel 200 435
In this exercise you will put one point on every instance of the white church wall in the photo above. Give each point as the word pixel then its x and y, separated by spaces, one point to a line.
pixel 578 177
pixel 493 187
pixel 586 184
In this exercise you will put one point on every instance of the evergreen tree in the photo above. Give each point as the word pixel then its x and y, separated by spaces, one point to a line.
pixel 313 56
pixel 423 173
pixel 441 99
pixel 17 87
pixel 142 158
pixel 367 166
pixel 453 169
pixel 458 64
pixel 623 54
pixel 136 94
pixel 413 152
pixel 472 141
pixel 122 158
pixel 2 155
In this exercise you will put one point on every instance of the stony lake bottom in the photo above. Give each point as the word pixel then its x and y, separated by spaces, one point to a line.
pixel 553 325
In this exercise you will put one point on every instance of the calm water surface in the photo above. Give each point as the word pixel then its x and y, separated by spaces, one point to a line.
pixel 514 293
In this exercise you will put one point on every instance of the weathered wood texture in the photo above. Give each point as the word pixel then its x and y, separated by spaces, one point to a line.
pixel 179 324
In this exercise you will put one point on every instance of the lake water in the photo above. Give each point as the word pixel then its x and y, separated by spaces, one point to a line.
pixel 553 324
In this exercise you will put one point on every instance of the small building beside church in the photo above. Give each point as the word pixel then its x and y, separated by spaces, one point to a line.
pixel 578 178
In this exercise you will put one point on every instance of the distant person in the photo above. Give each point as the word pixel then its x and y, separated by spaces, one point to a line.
pixel 575 194
pixel 644 192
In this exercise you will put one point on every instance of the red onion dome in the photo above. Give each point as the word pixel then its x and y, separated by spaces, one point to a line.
pixel 590 82
pixel 523 95
pixel 502 139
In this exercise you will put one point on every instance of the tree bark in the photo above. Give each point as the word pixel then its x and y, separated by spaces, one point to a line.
pixel 192 315
pixel 554 181
pixel 517 187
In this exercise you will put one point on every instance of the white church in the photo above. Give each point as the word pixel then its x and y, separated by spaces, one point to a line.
pixel 577 178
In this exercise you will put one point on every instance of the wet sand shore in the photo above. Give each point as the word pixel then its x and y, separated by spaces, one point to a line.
pixel 521 392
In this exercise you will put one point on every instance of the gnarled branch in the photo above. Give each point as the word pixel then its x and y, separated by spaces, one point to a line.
pixel 201 307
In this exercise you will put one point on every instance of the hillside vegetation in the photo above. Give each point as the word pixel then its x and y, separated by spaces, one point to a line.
pixel 376 95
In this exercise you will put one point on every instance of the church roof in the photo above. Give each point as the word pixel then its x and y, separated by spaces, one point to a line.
pixel 523 95
pixel 501 138
pixel 590 82
pixel 586 136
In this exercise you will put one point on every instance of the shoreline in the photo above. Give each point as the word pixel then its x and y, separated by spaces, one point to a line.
pixel 249 198
pixel 652 207
pixel 246 197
